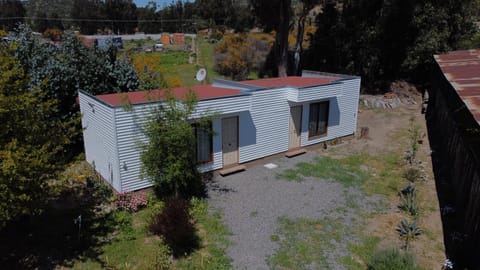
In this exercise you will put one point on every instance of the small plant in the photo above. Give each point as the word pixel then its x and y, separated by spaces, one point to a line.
pixel 408 231
pixel 174 224
pixel 414 136
pixel 410 188
pixel 131 201
pixel 409 203
pixel 412 174
pixel 392 259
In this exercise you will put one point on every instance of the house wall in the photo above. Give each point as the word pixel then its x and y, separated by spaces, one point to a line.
pixel 99 138
pixel 130 125
pixel 342 116
pixel 263 127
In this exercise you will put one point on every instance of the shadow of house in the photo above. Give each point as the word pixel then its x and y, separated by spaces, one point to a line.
pixel 453 118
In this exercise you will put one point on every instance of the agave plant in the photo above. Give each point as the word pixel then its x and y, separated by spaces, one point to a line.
pixel 408 231
pixel 409 202
pixel 410 188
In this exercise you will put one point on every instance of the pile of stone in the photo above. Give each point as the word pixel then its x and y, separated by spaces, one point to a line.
pixel 400 92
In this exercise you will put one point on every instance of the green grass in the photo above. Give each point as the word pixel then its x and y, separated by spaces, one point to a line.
pixel 133 247
pixel 346 171
pixel 174 63
pixel 361 253
pixel 384 175
pixel 304 243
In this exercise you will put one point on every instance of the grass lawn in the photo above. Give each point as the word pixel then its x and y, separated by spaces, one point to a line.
pixel 175 67
pixel 133 247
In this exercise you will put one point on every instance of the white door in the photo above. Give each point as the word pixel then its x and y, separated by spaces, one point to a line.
pixel 295 131
pixel 230 141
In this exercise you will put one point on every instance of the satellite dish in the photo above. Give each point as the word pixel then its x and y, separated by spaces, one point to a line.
pixel 201 74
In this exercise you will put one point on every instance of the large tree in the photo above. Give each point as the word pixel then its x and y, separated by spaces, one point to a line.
pixel 388 40
pixel 85 13
pixel 276 15
pixel 11 9
pixel 62 72
pixel 31 142
pixel 123 15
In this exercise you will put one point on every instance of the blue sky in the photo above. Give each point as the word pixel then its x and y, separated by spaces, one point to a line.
pixel 160 3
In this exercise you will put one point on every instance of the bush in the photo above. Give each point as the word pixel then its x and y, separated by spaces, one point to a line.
pixel 174 224
pixel 412 174
pixel 131 201
pixel 392 259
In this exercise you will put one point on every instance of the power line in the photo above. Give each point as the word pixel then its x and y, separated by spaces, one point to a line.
pixel 99 20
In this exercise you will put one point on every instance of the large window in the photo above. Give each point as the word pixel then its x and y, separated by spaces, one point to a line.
pixel 203 147
pixel 318 119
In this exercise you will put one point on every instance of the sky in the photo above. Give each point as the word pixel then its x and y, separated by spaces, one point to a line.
pixel 160 3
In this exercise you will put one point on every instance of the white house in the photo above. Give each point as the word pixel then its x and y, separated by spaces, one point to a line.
pixel 256 118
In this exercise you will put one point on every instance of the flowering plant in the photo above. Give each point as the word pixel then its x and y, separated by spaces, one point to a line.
pixel 131 201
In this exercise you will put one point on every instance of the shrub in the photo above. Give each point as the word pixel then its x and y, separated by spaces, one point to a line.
pixel 392 259
pixel 131 201
pixel 408 231
pixel 412 174
pixel 174 224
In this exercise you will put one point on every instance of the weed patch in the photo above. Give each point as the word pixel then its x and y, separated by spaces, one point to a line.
pixel 346 171
pixel 305 243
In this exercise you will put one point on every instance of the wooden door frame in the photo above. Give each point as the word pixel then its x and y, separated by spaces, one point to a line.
pixel 238 142
pixel 300 120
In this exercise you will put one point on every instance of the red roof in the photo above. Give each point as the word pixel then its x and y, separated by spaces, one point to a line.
pixel 202 92
pixel 294 81
pixel 462 69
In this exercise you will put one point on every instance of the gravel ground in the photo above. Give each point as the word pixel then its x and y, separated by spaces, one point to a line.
pixel 251 202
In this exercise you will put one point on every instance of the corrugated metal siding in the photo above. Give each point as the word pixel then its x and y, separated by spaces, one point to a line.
pixel 99 138
pixel 319 92
pixel 130 134
pixel 263 126
pixel 263 130
pixel 343 109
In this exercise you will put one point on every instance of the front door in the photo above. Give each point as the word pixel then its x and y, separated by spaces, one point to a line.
pixel 230 140
pixel 295 137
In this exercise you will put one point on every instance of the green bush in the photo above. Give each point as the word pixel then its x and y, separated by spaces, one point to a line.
pixel 392 259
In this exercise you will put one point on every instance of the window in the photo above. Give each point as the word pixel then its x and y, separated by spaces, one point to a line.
pixel 203 147
pixel 318 119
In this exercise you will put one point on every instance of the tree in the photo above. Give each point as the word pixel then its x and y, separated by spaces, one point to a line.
pixel 31 143
pixel 238 54
pixel 85 12
pixel 123 14
pixel 277 18
pixel 306 6
pixel 146 16
pixel 62 72
pixel 169 158
pixel 388 40
pixel 11 9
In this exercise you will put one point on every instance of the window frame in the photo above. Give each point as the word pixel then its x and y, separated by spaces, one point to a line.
pixel 319 104
pixel 209 128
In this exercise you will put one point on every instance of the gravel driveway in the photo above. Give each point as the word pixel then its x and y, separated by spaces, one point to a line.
pixel 251 202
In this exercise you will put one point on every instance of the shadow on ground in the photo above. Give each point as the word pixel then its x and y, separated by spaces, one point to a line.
pixel 73 226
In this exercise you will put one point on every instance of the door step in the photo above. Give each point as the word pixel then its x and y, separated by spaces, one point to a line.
pixel 295 152
pixel 233 169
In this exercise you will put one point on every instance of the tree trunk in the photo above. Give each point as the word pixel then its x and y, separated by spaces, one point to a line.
pixel 299 45
pixel 281 38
